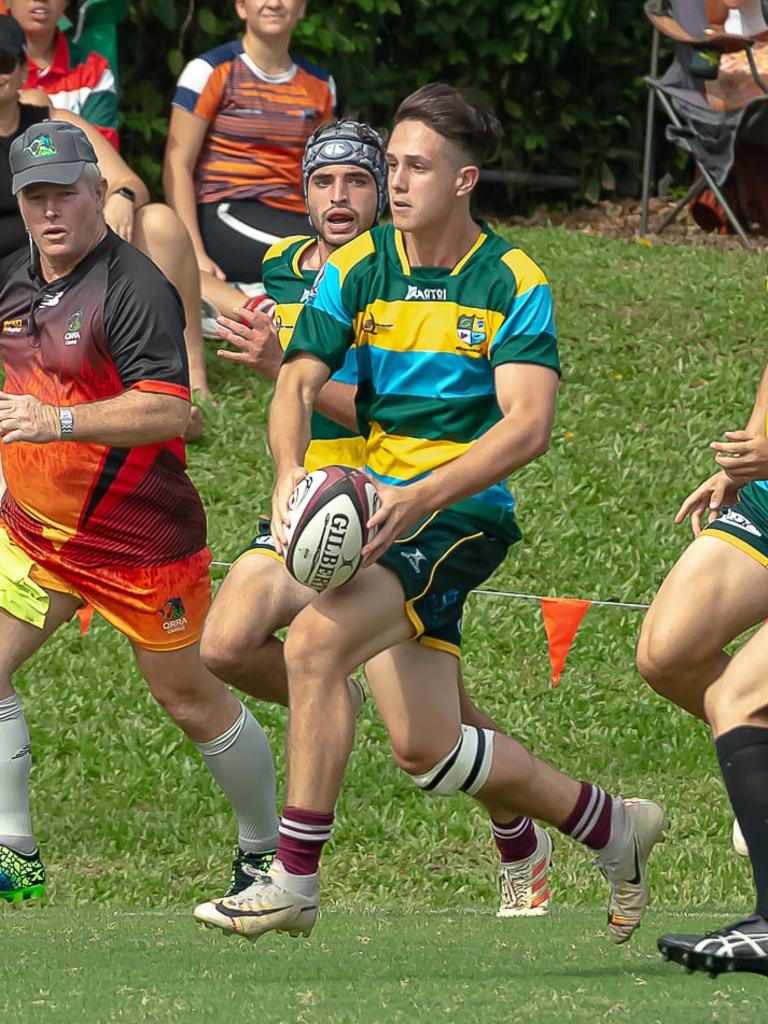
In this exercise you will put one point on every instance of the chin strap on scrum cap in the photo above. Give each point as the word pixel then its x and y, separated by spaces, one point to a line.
pixel 347 142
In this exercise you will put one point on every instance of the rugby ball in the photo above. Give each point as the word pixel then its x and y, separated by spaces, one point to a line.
pixel 327 531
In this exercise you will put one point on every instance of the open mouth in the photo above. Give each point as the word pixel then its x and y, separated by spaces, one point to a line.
pixel 340 220
pixel 54 234
pixel 39 13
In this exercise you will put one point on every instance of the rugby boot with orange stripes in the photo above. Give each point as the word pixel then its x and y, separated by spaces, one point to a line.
pixel 524 883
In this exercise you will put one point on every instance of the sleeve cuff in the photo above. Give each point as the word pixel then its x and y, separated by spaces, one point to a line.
pixel 162 387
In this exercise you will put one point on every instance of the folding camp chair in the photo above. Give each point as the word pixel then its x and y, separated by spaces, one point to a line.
pixel 709 133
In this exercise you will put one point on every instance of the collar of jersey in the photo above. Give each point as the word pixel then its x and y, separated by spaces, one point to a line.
pixel 456 270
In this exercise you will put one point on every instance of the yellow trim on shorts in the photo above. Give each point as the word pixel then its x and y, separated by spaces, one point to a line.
pixel 412 536
pixel 258 550
pixel 737 542
pixel 440 645
pixel 410 611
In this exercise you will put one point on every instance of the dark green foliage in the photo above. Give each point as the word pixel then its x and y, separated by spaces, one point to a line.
pixel 564 75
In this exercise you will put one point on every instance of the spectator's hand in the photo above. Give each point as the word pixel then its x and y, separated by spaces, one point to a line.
pixel 26 418
pixel 281 497
pixel 257 341
pixel 118 213
pixel 744 456
pixel 719 490
pixel 37 97
pixel 206 266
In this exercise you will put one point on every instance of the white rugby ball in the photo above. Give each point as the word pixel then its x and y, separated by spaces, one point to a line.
pixel 329 511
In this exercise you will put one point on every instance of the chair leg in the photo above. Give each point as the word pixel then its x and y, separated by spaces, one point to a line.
pixel 650 124
pixel 736 224
pixel 696 189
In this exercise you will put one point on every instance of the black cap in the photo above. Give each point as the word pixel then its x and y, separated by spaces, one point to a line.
pixel 51 153
pixel 11 36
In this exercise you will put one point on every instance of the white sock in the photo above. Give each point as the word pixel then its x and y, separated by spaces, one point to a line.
pixel 620 832
pixel 304 885
pixel 241 762
pixel 15 762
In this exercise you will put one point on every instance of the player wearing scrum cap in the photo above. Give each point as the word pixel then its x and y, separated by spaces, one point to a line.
pixel 345 186
pixel 458 374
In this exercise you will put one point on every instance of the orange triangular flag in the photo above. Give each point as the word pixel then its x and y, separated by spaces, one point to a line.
pixel 85 614
pixel 562 618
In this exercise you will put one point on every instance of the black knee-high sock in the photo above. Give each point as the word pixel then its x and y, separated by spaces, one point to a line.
pixel 743 756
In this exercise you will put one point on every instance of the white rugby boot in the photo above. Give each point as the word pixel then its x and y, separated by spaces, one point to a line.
pixel 264 906
pixel 739 842
pixel 524 884
pixel 628 874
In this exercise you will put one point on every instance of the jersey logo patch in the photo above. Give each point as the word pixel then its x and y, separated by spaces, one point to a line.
pixel 174 616
pixel 414 558
pixel 73 328
pixel 13 326
pixel 471 329
pixel 425 294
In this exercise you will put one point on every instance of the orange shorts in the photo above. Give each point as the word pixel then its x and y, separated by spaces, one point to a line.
pixel 160 608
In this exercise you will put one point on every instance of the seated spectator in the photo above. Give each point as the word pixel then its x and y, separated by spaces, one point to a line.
pixel 152 227
pixel 73 78
pixel 241 116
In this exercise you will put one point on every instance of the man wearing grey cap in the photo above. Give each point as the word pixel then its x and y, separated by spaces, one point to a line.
pixel 98 509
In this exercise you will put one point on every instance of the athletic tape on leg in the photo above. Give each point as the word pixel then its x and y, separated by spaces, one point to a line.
pixel 465 769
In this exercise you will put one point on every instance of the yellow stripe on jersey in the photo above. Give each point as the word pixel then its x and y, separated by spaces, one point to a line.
pixel 276 250
pixel 286 315
pixel 296 262
pixel 339 451
pixel 349 255
pixel 468 255
pixel 401 326
pixel 527 273
pixel 403 458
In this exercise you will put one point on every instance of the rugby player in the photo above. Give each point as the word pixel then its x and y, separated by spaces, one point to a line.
pixel 716 590
pixel 457 379
pixel 345 176
pixel 98 508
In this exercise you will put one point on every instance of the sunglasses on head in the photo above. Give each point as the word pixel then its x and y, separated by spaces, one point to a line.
pixel 8 62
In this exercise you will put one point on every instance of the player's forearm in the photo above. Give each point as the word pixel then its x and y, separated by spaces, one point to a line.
pixel 129 420
pixel 507 446
pixel 290 417
pixel 337 402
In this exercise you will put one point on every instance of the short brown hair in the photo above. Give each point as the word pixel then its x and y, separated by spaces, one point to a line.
pixel 457 116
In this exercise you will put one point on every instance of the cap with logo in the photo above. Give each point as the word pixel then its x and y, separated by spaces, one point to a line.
pixel 50 153
pixel 347 142
pixel 11 36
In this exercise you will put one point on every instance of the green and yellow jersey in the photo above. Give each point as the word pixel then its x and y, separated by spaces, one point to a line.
pixel 428 340
pixel 289 286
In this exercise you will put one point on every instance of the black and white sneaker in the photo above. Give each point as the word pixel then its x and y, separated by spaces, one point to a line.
pixel 742 946
pixel 246 867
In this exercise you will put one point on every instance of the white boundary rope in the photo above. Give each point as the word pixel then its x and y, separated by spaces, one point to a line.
pixel 522 597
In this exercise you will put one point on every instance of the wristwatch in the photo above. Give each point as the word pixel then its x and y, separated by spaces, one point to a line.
pixel 127 192
pixel 66 423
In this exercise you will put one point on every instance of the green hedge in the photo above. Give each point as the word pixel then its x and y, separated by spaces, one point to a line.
pixel 564 75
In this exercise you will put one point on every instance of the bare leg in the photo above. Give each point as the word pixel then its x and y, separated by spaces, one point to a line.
pixel 257 597
pixel 160 234
pixel 225 297
pixel 713 593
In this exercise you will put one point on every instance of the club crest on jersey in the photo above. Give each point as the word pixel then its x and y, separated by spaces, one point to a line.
pixel 40 146
pixel 13 326
pixel 73 328
pixel 312 293
pixel 415 294
pixel 471 329
pixel 174 616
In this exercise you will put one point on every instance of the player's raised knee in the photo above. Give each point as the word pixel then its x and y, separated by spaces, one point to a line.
pixel 465 768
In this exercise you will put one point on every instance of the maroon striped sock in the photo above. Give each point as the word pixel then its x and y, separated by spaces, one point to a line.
pixel 515 839
pixel 590 820
pixel 302 835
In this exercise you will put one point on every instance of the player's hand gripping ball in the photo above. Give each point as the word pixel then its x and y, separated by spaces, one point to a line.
pixel 327 531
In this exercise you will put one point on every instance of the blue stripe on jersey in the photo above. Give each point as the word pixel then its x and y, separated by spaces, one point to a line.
pixel 530 313
pixel 328 299
pixel 348 373
pixel 185 98
pixel 762 483
pixel 496 494
pixel 429 374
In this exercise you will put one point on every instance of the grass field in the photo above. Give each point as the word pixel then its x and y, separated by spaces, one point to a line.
pixel 662 349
